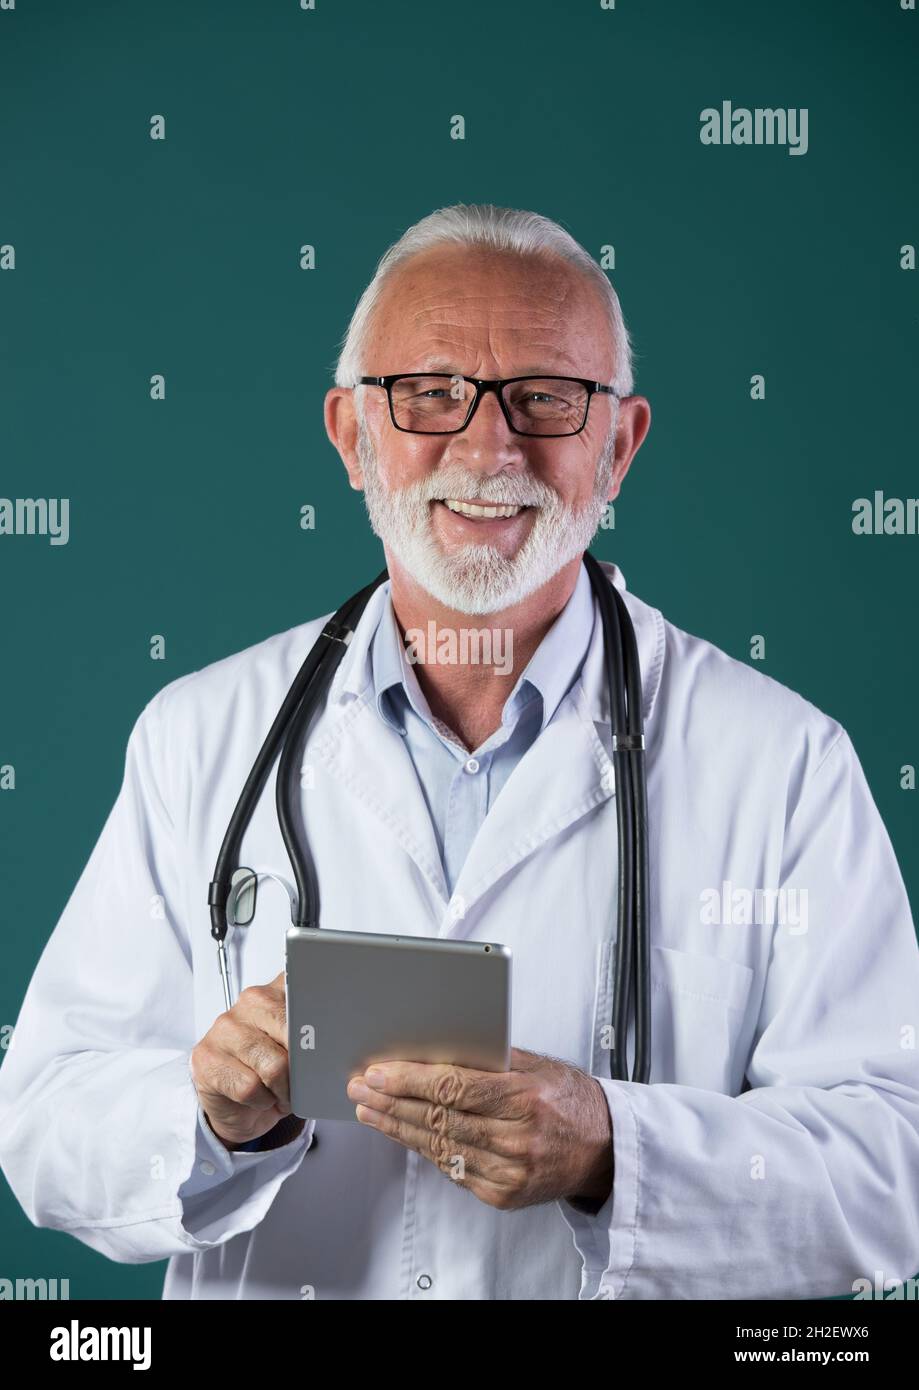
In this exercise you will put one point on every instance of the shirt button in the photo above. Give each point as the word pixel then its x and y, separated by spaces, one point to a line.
pixel 424 1281
pixel 208 1168
pixel 472 764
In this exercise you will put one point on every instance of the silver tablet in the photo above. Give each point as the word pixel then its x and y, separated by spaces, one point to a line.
pixel 354 998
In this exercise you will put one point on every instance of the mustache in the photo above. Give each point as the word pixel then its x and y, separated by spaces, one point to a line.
pixel 466 487
pixel 460 484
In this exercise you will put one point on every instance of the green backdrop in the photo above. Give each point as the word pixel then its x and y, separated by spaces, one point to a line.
pixel 331 127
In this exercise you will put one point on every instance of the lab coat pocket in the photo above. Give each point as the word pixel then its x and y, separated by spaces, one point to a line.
pixel 697 1011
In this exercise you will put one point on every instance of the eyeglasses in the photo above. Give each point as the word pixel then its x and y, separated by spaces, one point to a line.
pixel 444 403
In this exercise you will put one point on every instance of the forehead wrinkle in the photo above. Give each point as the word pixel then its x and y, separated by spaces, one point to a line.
pixel 429 276
pixel 509 319
pixel 463 337
pixel 544 328
pixel 556 313
pixel 511 309
pixel 441 360
pixel 515 301
pixel 548 290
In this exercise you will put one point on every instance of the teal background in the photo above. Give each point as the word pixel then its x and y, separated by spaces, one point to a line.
pixel 331 127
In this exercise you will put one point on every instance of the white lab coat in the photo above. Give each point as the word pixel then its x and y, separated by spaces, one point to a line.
pixel 794 1186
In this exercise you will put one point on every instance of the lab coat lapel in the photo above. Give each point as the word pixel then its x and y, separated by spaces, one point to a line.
pixel 369 758
pixel 565 774
pixel 568 771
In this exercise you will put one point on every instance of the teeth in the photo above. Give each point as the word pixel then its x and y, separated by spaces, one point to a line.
pixel 472 509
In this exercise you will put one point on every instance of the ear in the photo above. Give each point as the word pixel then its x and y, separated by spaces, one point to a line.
pixel 341 426
pixel 634 423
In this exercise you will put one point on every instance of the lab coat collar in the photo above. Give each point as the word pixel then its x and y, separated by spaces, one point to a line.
pixel 354 677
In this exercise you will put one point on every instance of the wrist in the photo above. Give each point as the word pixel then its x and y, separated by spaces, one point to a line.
pixel 598 1186
pixel 288 1128
pixel 596 1182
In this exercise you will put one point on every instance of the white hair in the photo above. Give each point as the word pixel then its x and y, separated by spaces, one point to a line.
pixel 504 229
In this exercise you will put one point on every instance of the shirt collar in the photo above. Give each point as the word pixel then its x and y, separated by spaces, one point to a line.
pixel 550 673
pixel 352 680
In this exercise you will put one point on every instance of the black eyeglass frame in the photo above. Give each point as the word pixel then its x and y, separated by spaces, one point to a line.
pixel 483 384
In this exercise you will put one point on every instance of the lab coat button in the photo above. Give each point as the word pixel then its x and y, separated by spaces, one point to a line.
pixel 424 1281
pixel 208 1168
pixel 472 764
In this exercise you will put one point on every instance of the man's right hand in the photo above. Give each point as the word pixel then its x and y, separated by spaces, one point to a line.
pixel 241 1068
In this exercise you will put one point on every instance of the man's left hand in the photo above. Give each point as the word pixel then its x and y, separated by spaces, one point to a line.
pixel 536 1133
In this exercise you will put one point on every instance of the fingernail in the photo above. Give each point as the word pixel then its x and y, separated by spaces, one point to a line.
pixel 375 1077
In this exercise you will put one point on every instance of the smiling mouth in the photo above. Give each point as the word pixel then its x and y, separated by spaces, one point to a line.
pixel 481 511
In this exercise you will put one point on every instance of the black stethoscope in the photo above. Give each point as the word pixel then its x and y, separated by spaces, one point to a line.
pixel 632 985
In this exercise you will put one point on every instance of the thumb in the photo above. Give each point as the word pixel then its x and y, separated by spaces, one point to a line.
pixel 521 1060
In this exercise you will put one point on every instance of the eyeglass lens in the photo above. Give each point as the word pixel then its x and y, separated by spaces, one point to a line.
pixel 538 405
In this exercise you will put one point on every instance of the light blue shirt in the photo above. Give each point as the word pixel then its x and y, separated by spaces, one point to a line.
pixel 459 786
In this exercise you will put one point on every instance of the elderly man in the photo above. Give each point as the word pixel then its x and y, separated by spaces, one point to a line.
pixel 775 1151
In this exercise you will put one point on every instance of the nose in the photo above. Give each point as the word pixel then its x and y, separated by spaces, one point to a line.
pixel 487 443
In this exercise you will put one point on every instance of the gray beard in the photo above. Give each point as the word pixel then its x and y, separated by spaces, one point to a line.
pixel 477 578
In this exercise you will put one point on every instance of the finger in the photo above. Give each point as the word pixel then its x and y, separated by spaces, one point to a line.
pixel 459 1088
pixel 501 1195
pixel 259 1053
pixel 457 1161
pixel 521 1060
pixel 228 1081
pixel 265 1008
pixel 490 1134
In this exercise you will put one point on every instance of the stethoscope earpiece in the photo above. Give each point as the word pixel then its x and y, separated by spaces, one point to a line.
pixel 243 895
